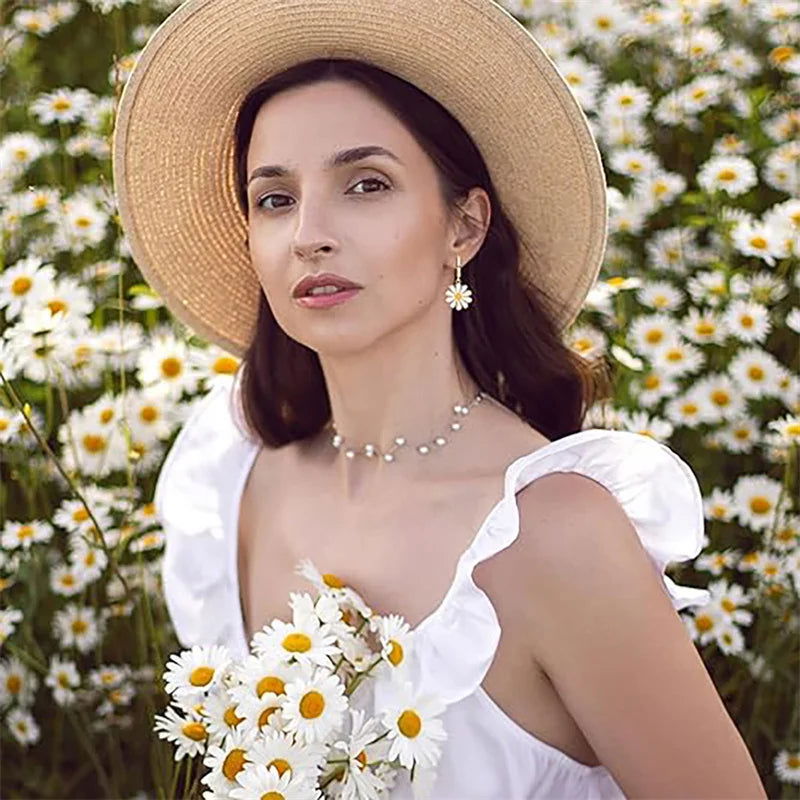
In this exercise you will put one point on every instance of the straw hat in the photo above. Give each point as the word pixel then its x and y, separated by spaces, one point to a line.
pixel 173 146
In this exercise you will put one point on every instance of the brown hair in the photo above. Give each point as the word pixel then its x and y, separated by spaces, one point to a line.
pixel 507 339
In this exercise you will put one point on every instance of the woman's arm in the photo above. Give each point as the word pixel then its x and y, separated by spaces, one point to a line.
pixel 606 633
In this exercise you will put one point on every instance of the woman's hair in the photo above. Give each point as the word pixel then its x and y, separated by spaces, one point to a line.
pixel 507 339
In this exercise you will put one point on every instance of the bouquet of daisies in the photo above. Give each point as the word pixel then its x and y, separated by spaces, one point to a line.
pixel 293 719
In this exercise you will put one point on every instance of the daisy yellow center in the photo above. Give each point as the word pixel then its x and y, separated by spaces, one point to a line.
pixel 728 604
pixel 93 443
pixel 705 328
pixel 225 365
pixel 759 242
pixel 781 53
pixel 272 796
pixel 233 763
pixel 63 680
pixel 231 720
pixel 582 345
pixel 747 321
pixel 270 683
pixel 362 758
pixel 195 731
pixel 760 505
pixel 727 174
pixel 742 433
pixel 280 764
pixel 720 397
pixel 297 643
pixel 793 429
pixel 148 414
pixel 652 382
pixel 57 305
pixel 201 676
pixel 654 336
pixel 263 717
pixel 396 652
pixel 79 626
pixel 13 684
pixel 755 373
pixel 21 285
pixel 674 355
pixel 690 408
pixel 171 367
pixel 793 762
pixel 61 104
pixel 83 222
pixel 333 581
pixel 409 723
pixel 703 622
pixel 718 511
pixel 80 515
pixel 25 532
pixel 312 705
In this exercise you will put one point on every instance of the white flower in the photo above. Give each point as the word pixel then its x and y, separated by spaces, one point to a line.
pixel 9 617
pixel 634 162
pixel 732 174
pixel 263 677
pixel 18 684
pixel 787 428
pixel 649 333
pixel 304 639
pixel 20 281
pixel 458 296
pixel 414 728
pixel 787 766
pixel 747 321
pixel 703 326
pixel 759 239
pixel 63 679
pixel 188 733
pixel 395 638
pixel 361 782
pixel 315 703
pixel 77 626
pixel 756 500
pixel 679 358
pixel 723 398
pixel 66 580
pixel 194 672
pixel 226 760
pixel 781 167
pixel 586 340
pixel 23 726
pixel 24 534
pixel 718 505
pixel 281 751
pixel 257 782
pixel 755 371
pixel 61 105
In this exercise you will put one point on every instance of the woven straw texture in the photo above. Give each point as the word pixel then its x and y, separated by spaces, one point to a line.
pixel 173 141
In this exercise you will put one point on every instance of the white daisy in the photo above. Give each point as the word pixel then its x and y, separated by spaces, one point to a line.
pixel 315 703
pixel 63 678
pixel 626 99
pixel 586 340
pixel 703 326
pixel 723 397
pixel 167 365
pixel 20 281
pixel 780 170
pixel 679 358
pixel 77 626
pixel 263 676
pixel 66 580
pixel 280 751
pixel 787 428
pixel 194 672
pixel 649 333
pixel 729 638
pixel 787 766
pixel 659 188
pixel 226 760
pixel 23 726
pixel 61 105
pixel 305 640
pixel 740 435
pixel 718 505
pixel 786 536
pixel 18 684
pixel 709 287
pixel 25 534
pixel 732 174
pixel 257 782
pixel 188 733
pixel 360 781
pixel 755 371
pixel 747 321
pixel 219 714
pixel 9 617
pixel 761 240
pixel 756 500
pixel 634 162
pixel 395 639
pixel 415 732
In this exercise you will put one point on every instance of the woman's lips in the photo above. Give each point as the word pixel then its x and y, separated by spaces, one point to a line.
pixel 326 300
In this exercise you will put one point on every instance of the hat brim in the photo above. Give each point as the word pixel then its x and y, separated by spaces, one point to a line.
pixel 173 146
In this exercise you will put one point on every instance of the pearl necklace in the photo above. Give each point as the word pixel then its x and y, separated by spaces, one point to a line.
pixel 370 450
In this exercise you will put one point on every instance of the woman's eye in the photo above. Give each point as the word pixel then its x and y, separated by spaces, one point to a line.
pixel 260 203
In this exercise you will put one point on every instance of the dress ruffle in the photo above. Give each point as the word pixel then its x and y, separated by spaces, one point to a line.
pixel 193 503
pixel 453 648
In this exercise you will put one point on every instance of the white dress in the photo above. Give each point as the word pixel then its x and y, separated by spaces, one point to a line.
pixel 197 501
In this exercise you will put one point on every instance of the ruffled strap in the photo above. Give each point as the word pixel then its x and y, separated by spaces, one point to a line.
pixel 192 499
pixel 454 647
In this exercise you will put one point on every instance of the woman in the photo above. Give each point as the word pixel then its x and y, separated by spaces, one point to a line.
pixel 418 436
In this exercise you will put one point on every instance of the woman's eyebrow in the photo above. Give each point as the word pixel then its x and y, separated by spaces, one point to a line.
pixel 347 156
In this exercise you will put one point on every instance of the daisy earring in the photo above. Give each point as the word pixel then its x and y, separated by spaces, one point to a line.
pixel 458 295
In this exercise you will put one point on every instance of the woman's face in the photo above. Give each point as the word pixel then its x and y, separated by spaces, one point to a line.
pixel 378 221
